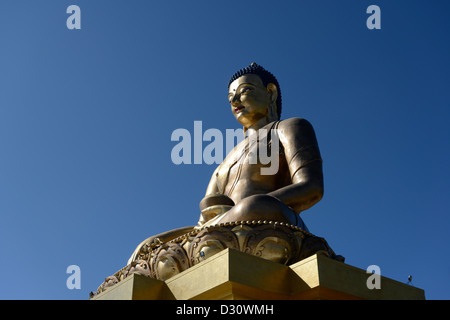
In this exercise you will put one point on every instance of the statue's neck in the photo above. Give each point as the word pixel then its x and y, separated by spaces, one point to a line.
pixel 256 126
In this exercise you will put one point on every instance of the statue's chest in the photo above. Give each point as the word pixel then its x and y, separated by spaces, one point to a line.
pixel 243 164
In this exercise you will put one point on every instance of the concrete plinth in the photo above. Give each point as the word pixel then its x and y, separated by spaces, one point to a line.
pixel 233 275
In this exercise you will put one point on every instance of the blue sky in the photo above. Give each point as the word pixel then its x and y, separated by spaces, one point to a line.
pixel 86 118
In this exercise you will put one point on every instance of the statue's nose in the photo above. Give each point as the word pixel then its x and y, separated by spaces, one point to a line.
pixel 235 101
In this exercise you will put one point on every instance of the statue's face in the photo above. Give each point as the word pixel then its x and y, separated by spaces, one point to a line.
pixel 249 99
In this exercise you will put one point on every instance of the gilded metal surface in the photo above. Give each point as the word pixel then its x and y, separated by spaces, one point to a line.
pixel 141 267
pixel 244 209
pixel 272 240
pixel 298 183
pixel 168 260
pixel 211 241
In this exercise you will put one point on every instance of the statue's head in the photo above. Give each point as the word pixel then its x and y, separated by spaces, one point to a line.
pixel 254 93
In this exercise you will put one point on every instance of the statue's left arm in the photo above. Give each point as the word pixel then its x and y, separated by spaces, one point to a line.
pixel 301 150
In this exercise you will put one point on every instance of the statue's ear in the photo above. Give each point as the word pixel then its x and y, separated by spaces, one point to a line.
pixel 272 89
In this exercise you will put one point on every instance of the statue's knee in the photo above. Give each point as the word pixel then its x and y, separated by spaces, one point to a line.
pixel 261 207
pixel 259 202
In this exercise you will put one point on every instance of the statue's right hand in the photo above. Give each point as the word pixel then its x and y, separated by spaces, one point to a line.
pixel 212 212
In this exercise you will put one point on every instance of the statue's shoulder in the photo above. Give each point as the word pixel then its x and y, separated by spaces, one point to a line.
pixel 295 124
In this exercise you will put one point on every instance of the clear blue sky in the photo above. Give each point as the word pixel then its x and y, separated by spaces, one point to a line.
pixel 86 118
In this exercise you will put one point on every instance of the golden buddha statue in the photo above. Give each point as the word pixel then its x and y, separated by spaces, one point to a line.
pixel 244 208
pixel 237 185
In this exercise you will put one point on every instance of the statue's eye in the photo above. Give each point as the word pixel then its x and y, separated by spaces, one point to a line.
pixel 245 90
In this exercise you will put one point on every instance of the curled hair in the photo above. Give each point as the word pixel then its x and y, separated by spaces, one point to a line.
pixel 265 76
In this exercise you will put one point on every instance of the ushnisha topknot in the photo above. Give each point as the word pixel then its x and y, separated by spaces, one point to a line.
pixel 265 76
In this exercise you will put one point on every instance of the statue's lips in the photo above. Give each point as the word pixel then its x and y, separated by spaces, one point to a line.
pixel 238 109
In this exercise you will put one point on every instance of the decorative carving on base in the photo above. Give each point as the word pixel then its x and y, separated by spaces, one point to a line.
pixel 168 260
pixel 138 266
pixel 211 241
pixel 270 240
pixel 274 243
